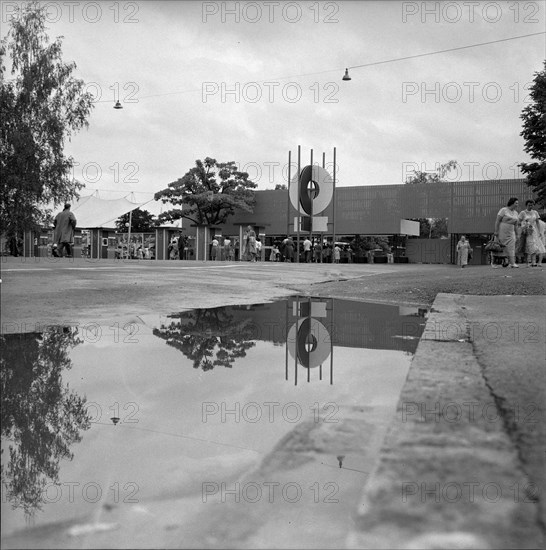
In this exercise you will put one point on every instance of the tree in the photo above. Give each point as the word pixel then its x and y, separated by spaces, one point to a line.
pixel 362 244
pixel 209 337
pixel 41 416
pixel 281 187
pixel 534 134
pixel 436 177
pixel 41 107
pixel 142 221
pixel 432 228
pixel 208 193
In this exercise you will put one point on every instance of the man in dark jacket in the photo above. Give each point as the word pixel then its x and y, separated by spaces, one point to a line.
pixel 64 224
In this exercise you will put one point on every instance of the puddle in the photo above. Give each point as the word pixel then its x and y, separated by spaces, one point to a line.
pixel 243 426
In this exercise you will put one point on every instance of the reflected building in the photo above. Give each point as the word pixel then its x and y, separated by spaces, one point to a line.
pixel 310 328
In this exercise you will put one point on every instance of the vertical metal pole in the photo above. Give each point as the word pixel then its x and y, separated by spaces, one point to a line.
pixel 299 208
pixel 296 340
pixel 312 199
pixel 334 199
pixel 309 359
pixel 332 343
pixel 322 234
pixel 288 198
pixel 128 236
pixel 286 337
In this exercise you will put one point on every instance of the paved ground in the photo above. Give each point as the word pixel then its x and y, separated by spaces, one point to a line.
pixel 470 418
pixel 463 463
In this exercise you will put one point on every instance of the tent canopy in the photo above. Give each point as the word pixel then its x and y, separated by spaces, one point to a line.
pixel 94 212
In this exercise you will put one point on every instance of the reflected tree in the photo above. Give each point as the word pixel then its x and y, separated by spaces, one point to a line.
pixel 209 337
pixel 41 417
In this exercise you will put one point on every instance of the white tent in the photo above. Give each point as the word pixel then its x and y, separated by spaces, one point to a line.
pixel 94 212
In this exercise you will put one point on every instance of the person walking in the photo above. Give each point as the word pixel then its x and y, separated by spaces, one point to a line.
pixel 532 244
pixel 288 249
pixel 307 245
pixel 64 224
pixel 505 229
pixel 463 249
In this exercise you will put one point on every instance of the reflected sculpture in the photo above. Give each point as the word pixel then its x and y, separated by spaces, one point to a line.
pixel 209 337
pixel 309 341
pixel 41 417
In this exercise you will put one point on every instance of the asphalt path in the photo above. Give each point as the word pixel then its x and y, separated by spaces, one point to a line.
pixel 477 365
pixel 55 291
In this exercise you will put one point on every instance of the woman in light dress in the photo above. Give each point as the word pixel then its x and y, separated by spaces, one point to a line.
pixel 542 235
pixel 250 245
pixel 463 248
pixel 505 229
pixel 531 233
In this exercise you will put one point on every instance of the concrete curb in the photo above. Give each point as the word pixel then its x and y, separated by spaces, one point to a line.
pixel 448 475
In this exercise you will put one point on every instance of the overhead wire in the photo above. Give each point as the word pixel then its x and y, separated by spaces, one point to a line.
pixel 371 64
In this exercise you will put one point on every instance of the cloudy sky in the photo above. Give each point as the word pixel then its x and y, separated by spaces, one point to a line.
pixel 250 81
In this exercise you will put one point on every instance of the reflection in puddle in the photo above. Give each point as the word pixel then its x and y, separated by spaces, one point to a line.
pixel 263 419
pixel 41 417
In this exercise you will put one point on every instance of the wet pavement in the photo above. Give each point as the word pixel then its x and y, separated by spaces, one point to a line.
pixel 496 367
pixel 254 425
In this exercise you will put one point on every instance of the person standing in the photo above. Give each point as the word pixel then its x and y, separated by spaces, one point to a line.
pixel 532 244
pixel 274 256
pixel 317 252
pixel 505 229
pixel 463 248
pixel 337 254
pixel 181 246
pixel 542 236
pixel 214 249
pixel 64 224
pixel 227 249
pixel 250 245
pixel 258 249
pixel 307 245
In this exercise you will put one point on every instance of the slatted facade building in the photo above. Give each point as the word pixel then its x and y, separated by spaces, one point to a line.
pixel 470 206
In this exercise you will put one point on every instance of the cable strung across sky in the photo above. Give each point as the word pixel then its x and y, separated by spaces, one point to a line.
pixel 373 63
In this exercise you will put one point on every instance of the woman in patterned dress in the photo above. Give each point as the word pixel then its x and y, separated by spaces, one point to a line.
pixel 463 248
pixel 530 228
pixel 505 229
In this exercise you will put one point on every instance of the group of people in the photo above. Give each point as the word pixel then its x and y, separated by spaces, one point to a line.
pixel 224 250
pixel 309 252
pixel 520 235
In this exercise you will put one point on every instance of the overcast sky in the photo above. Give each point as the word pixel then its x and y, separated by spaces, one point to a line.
pixel 250 81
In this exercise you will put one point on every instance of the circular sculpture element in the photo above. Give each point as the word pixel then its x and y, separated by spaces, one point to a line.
pixel 312 191
pixel 310 340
